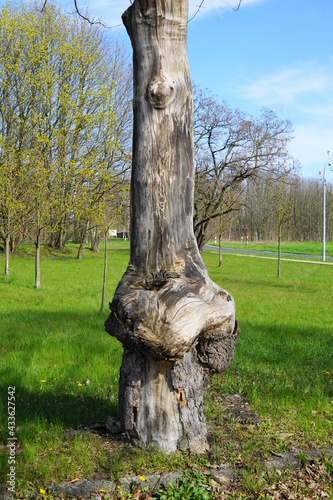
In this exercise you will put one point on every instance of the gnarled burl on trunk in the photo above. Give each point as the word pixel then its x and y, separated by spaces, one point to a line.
pixel 177 326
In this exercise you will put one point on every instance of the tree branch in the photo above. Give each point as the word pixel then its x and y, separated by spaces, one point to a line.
pixel 197 12
pixel 240 1
pixel 201 4
pixel 86 18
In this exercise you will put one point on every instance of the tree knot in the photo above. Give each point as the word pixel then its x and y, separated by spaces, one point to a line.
pixel 158 280
pixel 159 92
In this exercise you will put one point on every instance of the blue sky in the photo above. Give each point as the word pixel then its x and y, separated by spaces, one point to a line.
pixel 270 53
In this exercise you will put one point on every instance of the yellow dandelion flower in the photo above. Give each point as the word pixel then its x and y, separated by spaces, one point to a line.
pixel 79 384
pixel 42 492
pixel 118 487
pixel 142 478
pixel 43 381
pixel 102 491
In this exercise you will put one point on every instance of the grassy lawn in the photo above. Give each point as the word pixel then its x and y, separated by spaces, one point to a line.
pixel 305 247
pixel 65 368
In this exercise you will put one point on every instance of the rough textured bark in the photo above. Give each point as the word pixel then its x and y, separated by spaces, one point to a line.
pixel 176 325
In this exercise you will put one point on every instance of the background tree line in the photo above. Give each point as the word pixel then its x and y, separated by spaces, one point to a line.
pixel 247 183
pixel 65 145
pixel 256 216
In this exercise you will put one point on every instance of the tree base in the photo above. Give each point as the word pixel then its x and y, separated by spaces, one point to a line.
pixel 161 401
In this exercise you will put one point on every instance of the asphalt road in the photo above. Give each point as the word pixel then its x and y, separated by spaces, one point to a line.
pixel 246 251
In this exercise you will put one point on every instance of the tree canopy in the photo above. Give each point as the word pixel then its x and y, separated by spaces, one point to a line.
pixel 64 121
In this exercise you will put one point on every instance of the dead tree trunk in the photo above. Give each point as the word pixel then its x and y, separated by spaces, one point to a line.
pixel 176 325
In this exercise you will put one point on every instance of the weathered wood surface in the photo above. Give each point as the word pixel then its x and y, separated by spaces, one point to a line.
pixel 174 322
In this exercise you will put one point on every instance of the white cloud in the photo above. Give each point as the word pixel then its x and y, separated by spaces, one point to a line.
pixel 210 5
pixel 287 85
pixel 310 146
pixel 301 93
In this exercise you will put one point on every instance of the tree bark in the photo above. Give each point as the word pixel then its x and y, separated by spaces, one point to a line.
pixel 95 241
pixel 80 251
pixel 59 238
pixel 7 244
pixel 14 243
pixel 279 250
pixel 81 235
pixel 105 268
pixel 176 325
pixel 220 251
pixel 37 262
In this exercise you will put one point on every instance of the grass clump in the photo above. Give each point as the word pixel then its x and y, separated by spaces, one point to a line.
pixel 190 487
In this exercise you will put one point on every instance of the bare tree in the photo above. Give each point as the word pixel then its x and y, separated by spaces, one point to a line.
pixel 231 149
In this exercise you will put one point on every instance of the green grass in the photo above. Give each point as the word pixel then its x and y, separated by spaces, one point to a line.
pixel 56 334
pixel 304 247
pixel 283 363
pixel 284 355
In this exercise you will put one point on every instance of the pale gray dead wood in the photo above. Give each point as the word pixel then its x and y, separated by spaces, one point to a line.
pixel 176 325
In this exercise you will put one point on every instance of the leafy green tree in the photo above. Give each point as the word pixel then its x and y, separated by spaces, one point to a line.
pixel 39 203
pixel 64 121
pixel 11 183
pixel 108 162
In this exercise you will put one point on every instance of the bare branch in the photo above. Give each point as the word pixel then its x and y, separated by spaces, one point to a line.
pixel 86 18
pixel 44 5
pixel 201 4
pixel 240 1
pixel 197 12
